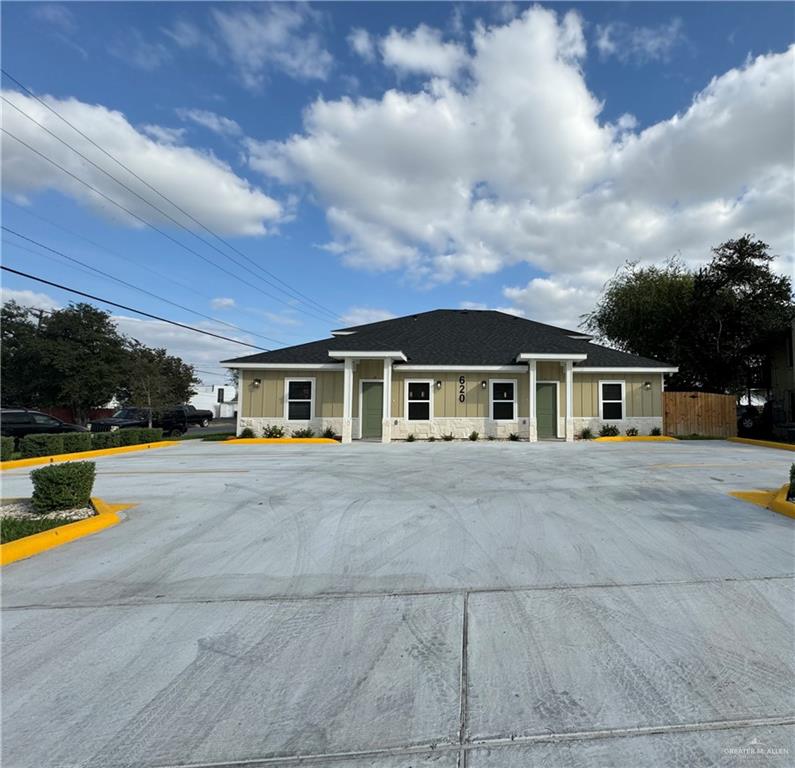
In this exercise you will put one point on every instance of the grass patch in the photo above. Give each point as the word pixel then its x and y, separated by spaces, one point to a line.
pixel 13 528
pixel 206 436
pixel 698 437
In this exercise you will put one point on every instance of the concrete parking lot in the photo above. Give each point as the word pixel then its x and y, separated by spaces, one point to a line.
pixel 446 604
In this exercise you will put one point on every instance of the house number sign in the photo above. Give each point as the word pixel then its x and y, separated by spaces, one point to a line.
pixel 462 389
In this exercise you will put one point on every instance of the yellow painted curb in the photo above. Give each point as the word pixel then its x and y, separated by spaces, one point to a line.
pixel 32 462
pixel 775 501
pixel 107 516
pixel 636 439
pixel 277 440
pixel 762 443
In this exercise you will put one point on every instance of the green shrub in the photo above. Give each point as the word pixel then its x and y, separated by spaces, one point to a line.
pixel 655 432
pixel 153 435
pixel 216 438
pixel 329 433
pixel 447 438
pixel 102 440
pixel 40 445
pixel 631 432
pixel 490 437
pixel 273 431
pixel 247 433
pixel 306 432
pixel 76 442
pixel 586 434
pixel 6 448
pixel 608 430
pixel 431 439
pixel 410 438
pixel 131 436
pixel 473 436
pixel 62 486
pixel 513 436
pixel 791 492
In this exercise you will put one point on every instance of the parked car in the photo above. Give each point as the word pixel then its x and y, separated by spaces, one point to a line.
pixel 747 419
pixel 172 421
pixel 195 416
pixel 18 422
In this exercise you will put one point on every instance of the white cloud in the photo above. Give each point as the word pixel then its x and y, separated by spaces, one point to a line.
pixel 134 49
pixel 162 134
pixel 273 36
pixel 57 15
pixel 509 310
pixel 515 165
pixel 223 302
pixel 639 44
pixel 364 315
pixel 29 298
pixel 219 124
pixel 422 52
pixel 195 180
pixel 361 43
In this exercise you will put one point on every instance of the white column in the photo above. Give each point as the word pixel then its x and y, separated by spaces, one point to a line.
pixel 533 422
pixel 569 401
pixel 240 386
pixel 386 424
pixel 347 400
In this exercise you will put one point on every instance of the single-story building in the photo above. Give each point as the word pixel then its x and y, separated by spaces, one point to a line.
pixel 450 372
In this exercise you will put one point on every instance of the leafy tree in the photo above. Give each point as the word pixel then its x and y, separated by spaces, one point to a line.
pixel 24 378
pixel 716 324
pixel 155 379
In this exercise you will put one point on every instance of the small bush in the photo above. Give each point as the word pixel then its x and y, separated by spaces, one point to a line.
pixel 514 436
pixel 473 436
pixel 431 439
pixel 247 433
pixel 273 431
pixel 410 438
pixel 655 432
pixel 447 438
pixel 40 445
pixel 329 433
pixel 586 434
pixel 631 432
pixel 490 437
pixel 76 442
pixel 791 492
pixel 6 448
pixel 307 432
pixel 102 440
pixel 153 435
pixel 608 430
pixel 62 486
pixel 131 436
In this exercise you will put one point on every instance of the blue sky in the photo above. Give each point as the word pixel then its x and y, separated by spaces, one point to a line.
pixel 387 158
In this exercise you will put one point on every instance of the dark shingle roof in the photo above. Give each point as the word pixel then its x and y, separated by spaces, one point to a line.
pixel 454 337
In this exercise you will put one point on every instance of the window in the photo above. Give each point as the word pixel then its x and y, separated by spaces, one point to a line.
pixel 220 395
pixel 503 400
pixel 418 400
pixel 17 418
pixel 42 419
pixel 298 400
pixel 611 400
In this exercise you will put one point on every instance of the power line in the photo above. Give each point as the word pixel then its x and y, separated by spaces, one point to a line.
pixel 131 285
pixel 292 290
pixel 128 309
pixel 148 223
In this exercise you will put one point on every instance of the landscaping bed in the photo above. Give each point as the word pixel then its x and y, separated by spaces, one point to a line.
pixel 18 518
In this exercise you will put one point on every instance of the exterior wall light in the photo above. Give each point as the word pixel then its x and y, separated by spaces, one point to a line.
pixel 483 385
pixel 647 385
pixel 256 383
pixel 438 385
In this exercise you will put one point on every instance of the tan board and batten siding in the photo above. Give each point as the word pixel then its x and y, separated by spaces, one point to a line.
pixel 267 400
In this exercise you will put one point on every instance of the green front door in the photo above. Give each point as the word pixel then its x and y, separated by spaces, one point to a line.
pixel 372 408
pixel 546 410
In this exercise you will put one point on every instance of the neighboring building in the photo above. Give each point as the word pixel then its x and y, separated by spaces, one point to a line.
pixel 221 399
pixel 450 372
pixel 782 381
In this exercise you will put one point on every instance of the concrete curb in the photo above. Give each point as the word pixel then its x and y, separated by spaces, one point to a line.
pixel 637 439
pixel 107 516
pixel 278 441
pixel 762 443
pixel 780 503
pixel 775 501
pixel 35 460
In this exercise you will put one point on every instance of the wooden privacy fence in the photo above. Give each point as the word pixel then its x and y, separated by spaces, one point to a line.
pixel 699 413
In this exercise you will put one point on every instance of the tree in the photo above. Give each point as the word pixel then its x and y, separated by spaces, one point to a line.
pixel 155 379
pixel 24 376
pixel 716 324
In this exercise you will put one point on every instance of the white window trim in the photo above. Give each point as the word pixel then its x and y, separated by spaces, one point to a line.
pixel 515 383
pixel 287 397
pixel 362 382
pixel 431 386
pixel 623 398
pixel 558 414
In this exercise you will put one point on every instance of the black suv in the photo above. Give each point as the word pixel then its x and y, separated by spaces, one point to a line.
pixel 172 421
pixel 18 422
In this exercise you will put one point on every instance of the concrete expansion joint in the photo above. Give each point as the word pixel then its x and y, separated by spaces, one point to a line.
pixel 498 741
